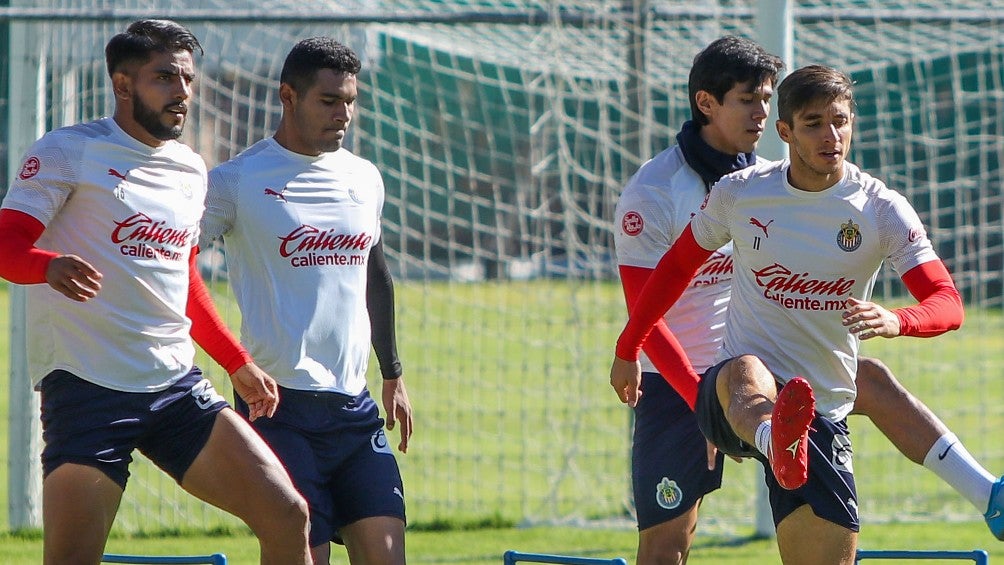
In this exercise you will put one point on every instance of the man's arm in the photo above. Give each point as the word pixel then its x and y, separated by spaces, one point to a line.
pixel 660 343
pixel 939 308
pixel 21 262
pixel 380 304
pixel 662 289
pixel 257 388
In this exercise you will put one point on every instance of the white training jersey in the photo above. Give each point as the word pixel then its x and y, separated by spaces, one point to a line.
pixel 652 212
pixel 297 232
pixel 132 211
pixel 798 257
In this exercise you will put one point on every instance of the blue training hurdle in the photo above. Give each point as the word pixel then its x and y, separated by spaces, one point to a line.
pixel 511 557
pixel 214 559
pixel 978 556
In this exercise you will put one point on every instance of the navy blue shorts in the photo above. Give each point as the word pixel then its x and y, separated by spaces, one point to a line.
pixel 338 456
pixel 669 460
pixel 830 490
pixel 88 424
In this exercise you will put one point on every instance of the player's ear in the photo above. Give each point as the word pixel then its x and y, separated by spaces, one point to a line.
pixel 705 102
pixel 783 130
pixel 287 94
pixel 122 85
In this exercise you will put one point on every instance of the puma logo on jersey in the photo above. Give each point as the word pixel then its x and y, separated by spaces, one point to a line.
pixel 116 174
pixel 279 194
pixel 762 226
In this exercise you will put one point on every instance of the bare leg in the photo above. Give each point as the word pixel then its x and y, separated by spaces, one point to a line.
pixel 926 440
pixel 668 543
pixel 906 421
pixel 375 541
pixel 79 504
pixel 321 554
pixel 806 539
pixel 747 391
pixel 236 471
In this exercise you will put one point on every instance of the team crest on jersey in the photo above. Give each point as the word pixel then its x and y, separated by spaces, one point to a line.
pixel 632 223
pixel 30 168
pixel 668 494
pixel 849 236
pixel 186 189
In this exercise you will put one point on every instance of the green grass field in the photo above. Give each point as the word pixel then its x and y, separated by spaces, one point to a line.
pixel 509 377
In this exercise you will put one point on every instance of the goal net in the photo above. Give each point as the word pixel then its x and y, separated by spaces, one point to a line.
pixel 505 130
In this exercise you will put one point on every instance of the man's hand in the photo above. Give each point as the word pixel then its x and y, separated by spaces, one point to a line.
pixel 73 277
pixel 257 389
pixel 713 455
pixel 868 320
pixel 625 377
pixel 397 407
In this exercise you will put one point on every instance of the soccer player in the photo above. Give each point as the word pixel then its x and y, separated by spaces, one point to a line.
pixel 731 84
pixel 101 222
pixel 300 218
pixel 808 237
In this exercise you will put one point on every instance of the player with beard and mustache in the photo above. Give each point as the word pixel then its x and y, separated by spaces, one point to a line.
pixel 101 223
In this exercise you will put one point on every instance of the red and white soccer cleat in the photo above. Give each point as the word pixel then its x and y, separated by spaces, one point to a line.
pixel 789 433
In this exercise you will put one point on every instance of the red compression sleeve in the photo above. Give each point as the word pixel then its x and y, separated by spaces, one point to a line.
pixel 661 346
pixel 664 287
pixel 208 328
pixel 20 261
pixel 940 306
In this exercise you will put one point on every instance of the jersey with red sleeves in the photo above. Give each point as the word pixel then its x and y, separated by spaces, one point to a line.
pixel 132 211
pixel 798 257
pixel 654 208
pixel 298 231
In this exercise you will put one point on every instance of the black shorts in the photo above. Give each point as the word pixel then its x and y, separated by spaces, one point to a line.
pixel 89 424
pixel 338 456
pixel 712 421
pixel 669 459
pixel 830 490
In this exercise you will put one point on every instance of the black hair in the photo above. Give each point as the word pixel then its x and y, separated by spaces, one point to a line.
pixel 809 85
pixel 143 38
pixel 726 62
pixel 313 54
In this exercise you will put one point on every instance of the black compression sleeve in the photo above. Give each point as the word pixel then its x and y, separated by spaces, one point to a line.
pixel 380 303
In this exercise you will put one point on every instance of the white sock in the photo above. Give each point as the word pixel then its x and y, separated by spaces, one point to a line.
pixel 762 439
pixel 951 461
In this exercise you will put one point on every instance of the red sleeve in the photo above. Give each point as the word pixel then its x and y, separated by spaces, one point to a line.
pixel 662 348
pixel 208 329
pixel 940 306
pixel 668 281
pixel 20 261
